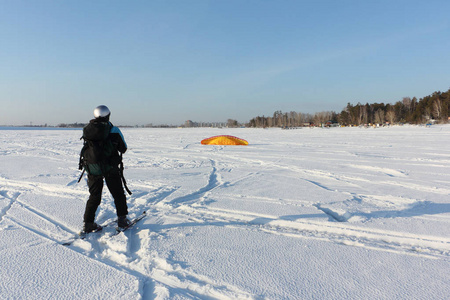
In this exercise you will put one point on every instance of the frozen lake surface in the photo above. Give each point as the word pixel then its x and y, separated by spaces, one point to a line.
pixel 342 213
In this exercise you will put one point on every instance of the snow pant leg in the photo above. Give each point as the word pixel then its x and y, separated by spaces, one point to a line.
pixel 95 184
pixel 114 183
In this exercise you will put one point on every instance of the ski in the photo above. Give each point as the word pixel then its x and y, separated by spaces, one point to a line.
pixel 82 235
pixel 132 223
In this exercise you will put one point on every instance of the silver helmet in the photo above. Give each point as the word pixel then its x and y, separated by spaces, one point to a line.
pixel 101 111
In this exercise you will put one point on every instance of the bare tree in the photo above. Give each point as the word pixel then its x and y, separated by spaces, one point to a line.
pixel 322 117
pixel 437 109
pixel 407 103
pixel 426 114
pixel 304 118
pixel 232 123
pixel 379 116
pixel 363 114
pixel 293 117
pixel 390 116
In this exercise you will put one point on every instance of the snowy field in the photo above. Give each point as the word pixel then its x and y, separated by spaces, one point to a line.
pixel 343 213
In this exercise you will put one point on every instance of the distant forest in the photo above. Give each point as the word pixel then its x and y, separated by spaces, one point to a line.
pixel 433 108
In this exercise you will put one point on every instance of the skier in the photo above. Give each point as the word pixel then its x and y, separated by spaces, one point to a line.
pixel 107 169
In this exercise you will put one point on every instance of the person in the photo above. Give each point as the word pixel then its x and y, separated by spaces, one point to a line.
pixel 112 174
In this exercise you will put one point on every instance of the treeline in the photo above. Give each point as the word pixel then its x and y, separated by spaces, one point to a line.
pixel 293 119
pixel 72 125
pixel 434 107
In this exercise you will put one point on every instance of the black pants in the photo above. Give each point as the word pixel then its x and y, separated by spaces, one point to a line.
pixel 114 183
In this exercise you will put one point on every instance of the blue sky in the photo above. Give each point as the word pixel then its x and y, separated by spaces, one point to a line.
pixel 164 62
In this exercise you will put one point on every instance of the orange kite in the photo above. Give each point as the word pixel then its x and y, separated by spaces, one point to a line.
pixel 224 140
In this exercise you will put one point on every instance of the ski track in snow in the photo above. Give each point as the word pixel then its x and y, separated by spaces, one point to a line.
pixel 10 199
pixel 400 242
pixel 171 205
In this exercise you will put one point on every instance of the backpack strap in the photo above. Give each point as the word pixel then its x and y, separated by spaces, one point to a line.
pixel 81 176
pixel 123 178
pixel 81 162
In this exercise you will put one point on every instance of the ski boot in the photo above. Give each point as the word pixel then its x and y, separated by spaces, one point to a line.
pixel 91 227
pixel 123 222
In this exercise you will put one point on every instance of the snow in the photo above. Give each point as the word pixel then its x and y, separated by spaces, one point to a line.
pixel 341 213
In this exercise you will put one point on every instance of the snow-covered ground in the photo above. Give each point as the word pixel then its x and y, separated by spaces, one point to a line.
pixel 342 213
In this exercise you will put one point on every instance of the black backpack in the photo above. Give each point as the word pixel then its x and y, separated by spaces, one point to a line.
pixel 98 149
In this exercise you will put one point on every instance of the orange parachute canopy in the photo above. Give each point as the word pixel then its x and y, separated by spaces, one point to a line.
pixel 224 140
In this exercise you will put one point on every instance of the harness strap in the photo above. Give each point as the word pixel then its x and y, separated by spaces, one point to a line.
pixel 123 178
pixel 81 176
